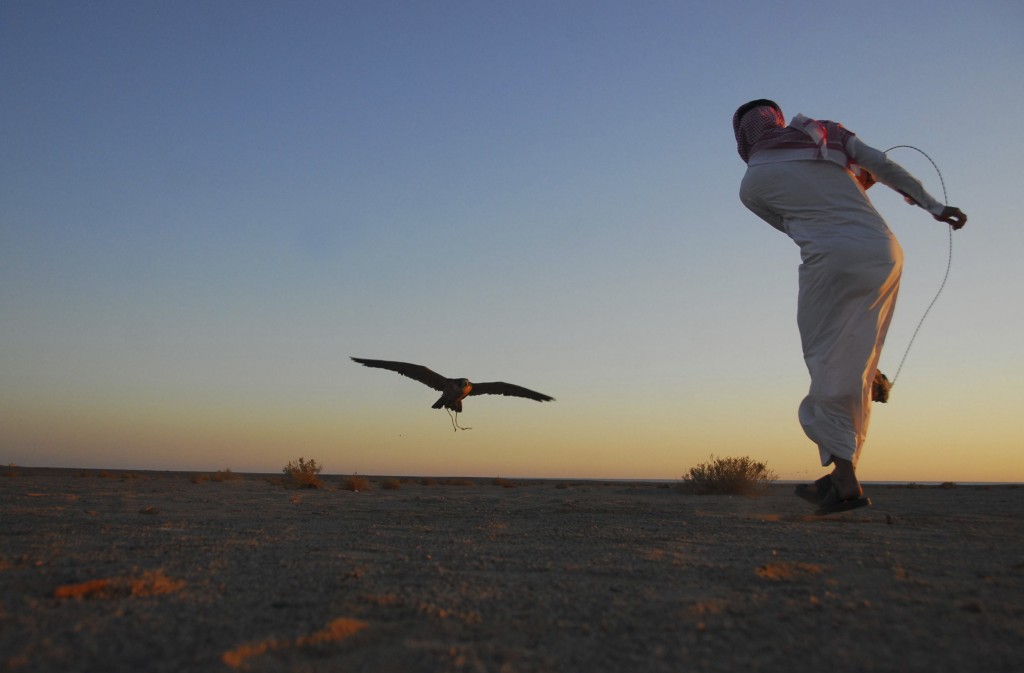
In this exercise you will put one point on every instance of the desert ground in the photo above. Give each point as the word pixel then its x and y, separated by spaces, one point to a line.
pixel 173 571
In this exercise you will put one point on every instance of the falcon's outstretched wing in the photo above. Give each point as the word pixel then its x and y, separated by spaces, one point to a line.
pixel 502 388
pixel 416 372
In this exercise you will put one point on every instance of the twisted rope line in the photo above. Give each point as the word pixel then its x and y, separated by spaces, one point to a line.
pixel 949 260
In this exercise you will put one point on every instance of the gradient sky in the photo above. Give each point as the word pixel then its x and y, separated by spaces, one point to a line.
pixel 207 207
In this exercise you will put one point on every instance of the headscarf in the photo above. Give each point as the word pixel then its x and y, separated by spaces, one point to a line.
pixel 752 121
pixel 759 125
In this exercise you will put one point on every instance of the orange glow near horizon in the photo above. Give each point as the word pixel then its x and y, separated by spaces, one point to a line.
pixel 908 443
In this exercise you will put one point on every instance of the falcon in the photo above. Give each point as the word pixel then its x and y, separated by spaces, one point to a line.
pixel 453 391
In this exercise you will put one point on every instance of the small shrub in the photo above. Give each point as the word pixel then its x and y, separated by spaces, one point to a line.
pixel 391 484
pixel 218 476
pixel 355 483
pixel 727 476
pixel 504 483
pixel 303 474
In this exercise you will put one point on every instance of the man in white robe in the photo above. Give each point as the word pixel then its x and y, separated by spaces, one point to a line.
pixel 800 179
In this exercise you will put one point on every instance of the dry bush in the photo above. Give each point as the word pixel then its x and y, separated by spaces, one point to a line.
pixel 303 474
pixel 200 478
pixel 428 481
pixel 727 476
pixel 225 475
pixel 391 484
pixel 504 483
pixel 355 483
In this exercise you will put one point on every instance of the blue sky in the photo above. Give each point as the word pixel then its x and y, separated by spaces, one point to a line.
pixel 206 208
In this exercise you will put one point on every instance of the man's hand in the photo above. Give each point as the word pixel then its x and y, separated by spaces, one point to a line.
pixel 952 216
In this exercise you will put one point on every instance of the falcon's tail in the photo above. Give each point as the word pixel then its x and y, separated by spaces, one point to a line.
pixel 454 406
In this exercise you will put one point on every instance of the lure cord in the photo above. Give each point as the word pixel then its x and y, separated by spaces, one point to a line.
pixel 949 260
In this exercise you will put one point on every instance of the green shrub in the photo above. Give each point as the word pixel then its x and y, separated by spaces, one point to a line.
pixel 728 476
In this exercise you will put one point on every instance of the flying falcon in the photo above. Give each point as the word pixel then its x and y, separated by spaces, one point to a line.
pixel 453 391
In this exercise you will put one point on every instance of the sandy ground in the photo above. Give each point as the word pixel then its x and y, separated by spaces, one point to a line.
pixel 160 572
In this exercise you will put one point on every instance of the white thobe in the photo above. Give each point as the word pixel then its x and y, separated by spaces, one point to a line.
pixel 849 280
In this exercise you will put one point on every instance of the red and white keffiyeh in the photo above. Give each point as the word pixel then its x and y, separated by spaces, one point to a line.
pixel 815 130
pixel 751 124
pixel 762 128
